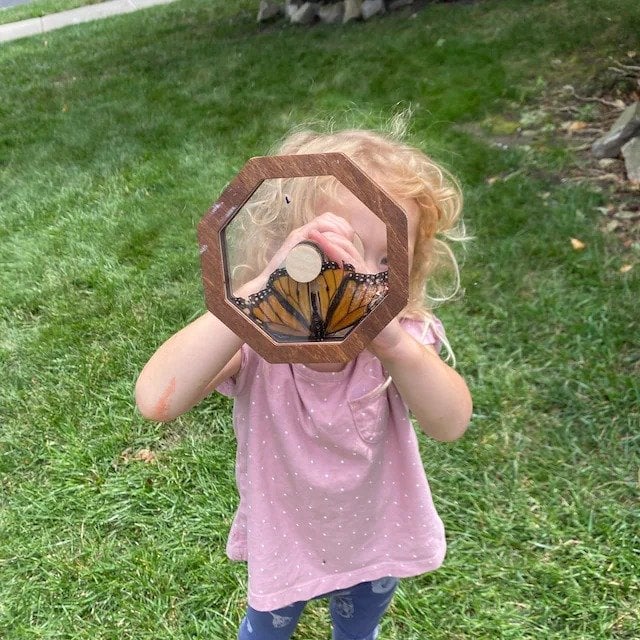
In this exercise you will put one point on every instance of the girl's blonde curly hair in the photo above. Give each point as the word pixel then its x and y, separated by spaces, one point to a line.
pixel 279 206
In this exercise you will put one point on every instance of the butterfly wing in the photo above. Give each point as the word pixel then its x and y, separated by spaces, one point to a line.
pixel 322 291
pixel 282 308
pixel 356 296
pixel 325 308
pixel 342 298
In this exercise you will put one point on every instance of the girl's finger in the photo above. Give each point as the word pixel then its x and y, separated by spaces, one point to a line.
pixel 330 222
pixel 337 248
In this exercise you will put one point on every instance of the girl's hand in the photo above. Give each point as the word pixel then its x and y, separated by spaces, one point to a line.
pixel 333 235
pixel 341 246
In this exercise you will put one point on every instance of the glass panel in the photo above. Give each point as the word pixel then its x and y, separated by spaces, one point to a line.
pixel 313 289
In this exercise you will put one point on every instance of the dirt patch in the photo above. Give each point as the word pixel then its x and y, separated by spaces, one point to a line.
pixel 581 117
pixel 572 117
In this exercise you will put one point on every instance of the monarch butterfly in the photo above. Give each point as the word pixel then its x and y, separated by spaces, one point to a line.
pixel 327 308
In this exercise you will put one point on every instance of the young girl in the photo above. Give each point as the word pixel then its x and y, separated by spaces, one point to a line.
pixel 334 500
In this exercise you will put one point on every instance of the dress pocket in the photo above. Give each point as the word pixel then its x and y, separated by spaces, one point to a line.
pixel 371 414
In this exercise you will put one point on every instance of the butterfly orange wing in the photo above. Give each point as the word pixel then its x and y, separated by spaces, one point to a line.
pixel 354 299
pixel 325 308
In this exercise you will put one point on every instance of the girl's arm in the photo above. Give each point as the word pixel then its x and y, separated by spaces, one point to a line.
pixel 193 362
pixel 187 368
pixel 436 394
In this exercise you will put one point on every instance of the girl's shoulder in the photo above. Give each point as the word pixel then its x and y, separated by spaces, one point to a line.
pixel 427 329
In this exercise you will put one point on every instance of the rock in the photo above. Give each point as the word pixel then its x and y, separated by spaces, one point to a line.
pixel 290 7
pixel 268 9
pixel 305 13
pixel 631 155
pixel 331 13
pixel 352 10
pixel 623 129
pixel 372 7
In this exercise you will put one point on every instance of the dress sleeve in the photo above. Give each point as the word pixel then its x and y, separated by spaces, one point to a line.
pixel 427 331
pixel 232 386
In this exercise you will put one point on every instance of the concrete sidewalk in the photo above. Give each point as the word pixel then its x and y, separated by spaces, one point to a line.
pixel 35 26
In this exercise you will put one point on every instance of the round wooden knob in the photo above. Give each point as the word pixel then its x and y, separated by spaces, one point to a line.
pixel 304 262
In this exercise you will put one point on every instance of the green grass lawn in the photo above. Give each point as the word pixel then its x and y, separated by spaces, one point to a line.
pixel 115 138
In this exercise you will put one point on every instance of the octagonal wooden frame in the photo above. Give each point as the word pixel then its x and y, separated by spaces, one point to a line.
pixel 231 201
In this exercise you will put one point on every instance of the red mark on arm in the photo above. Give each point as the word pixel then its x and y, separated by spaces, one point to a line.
pixel 162 407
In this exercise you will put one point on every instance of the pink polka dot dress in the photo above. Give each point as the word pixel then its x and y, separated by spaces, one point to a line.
pixel 331 483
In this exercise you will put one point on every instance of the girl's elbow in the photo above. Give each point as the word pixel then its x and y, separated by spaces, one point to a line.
pixel 462 421
pixel 148 413
pixel 462 418
pixel 455 432
pixel 150 407
pixel 460 412
pixel 453 427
